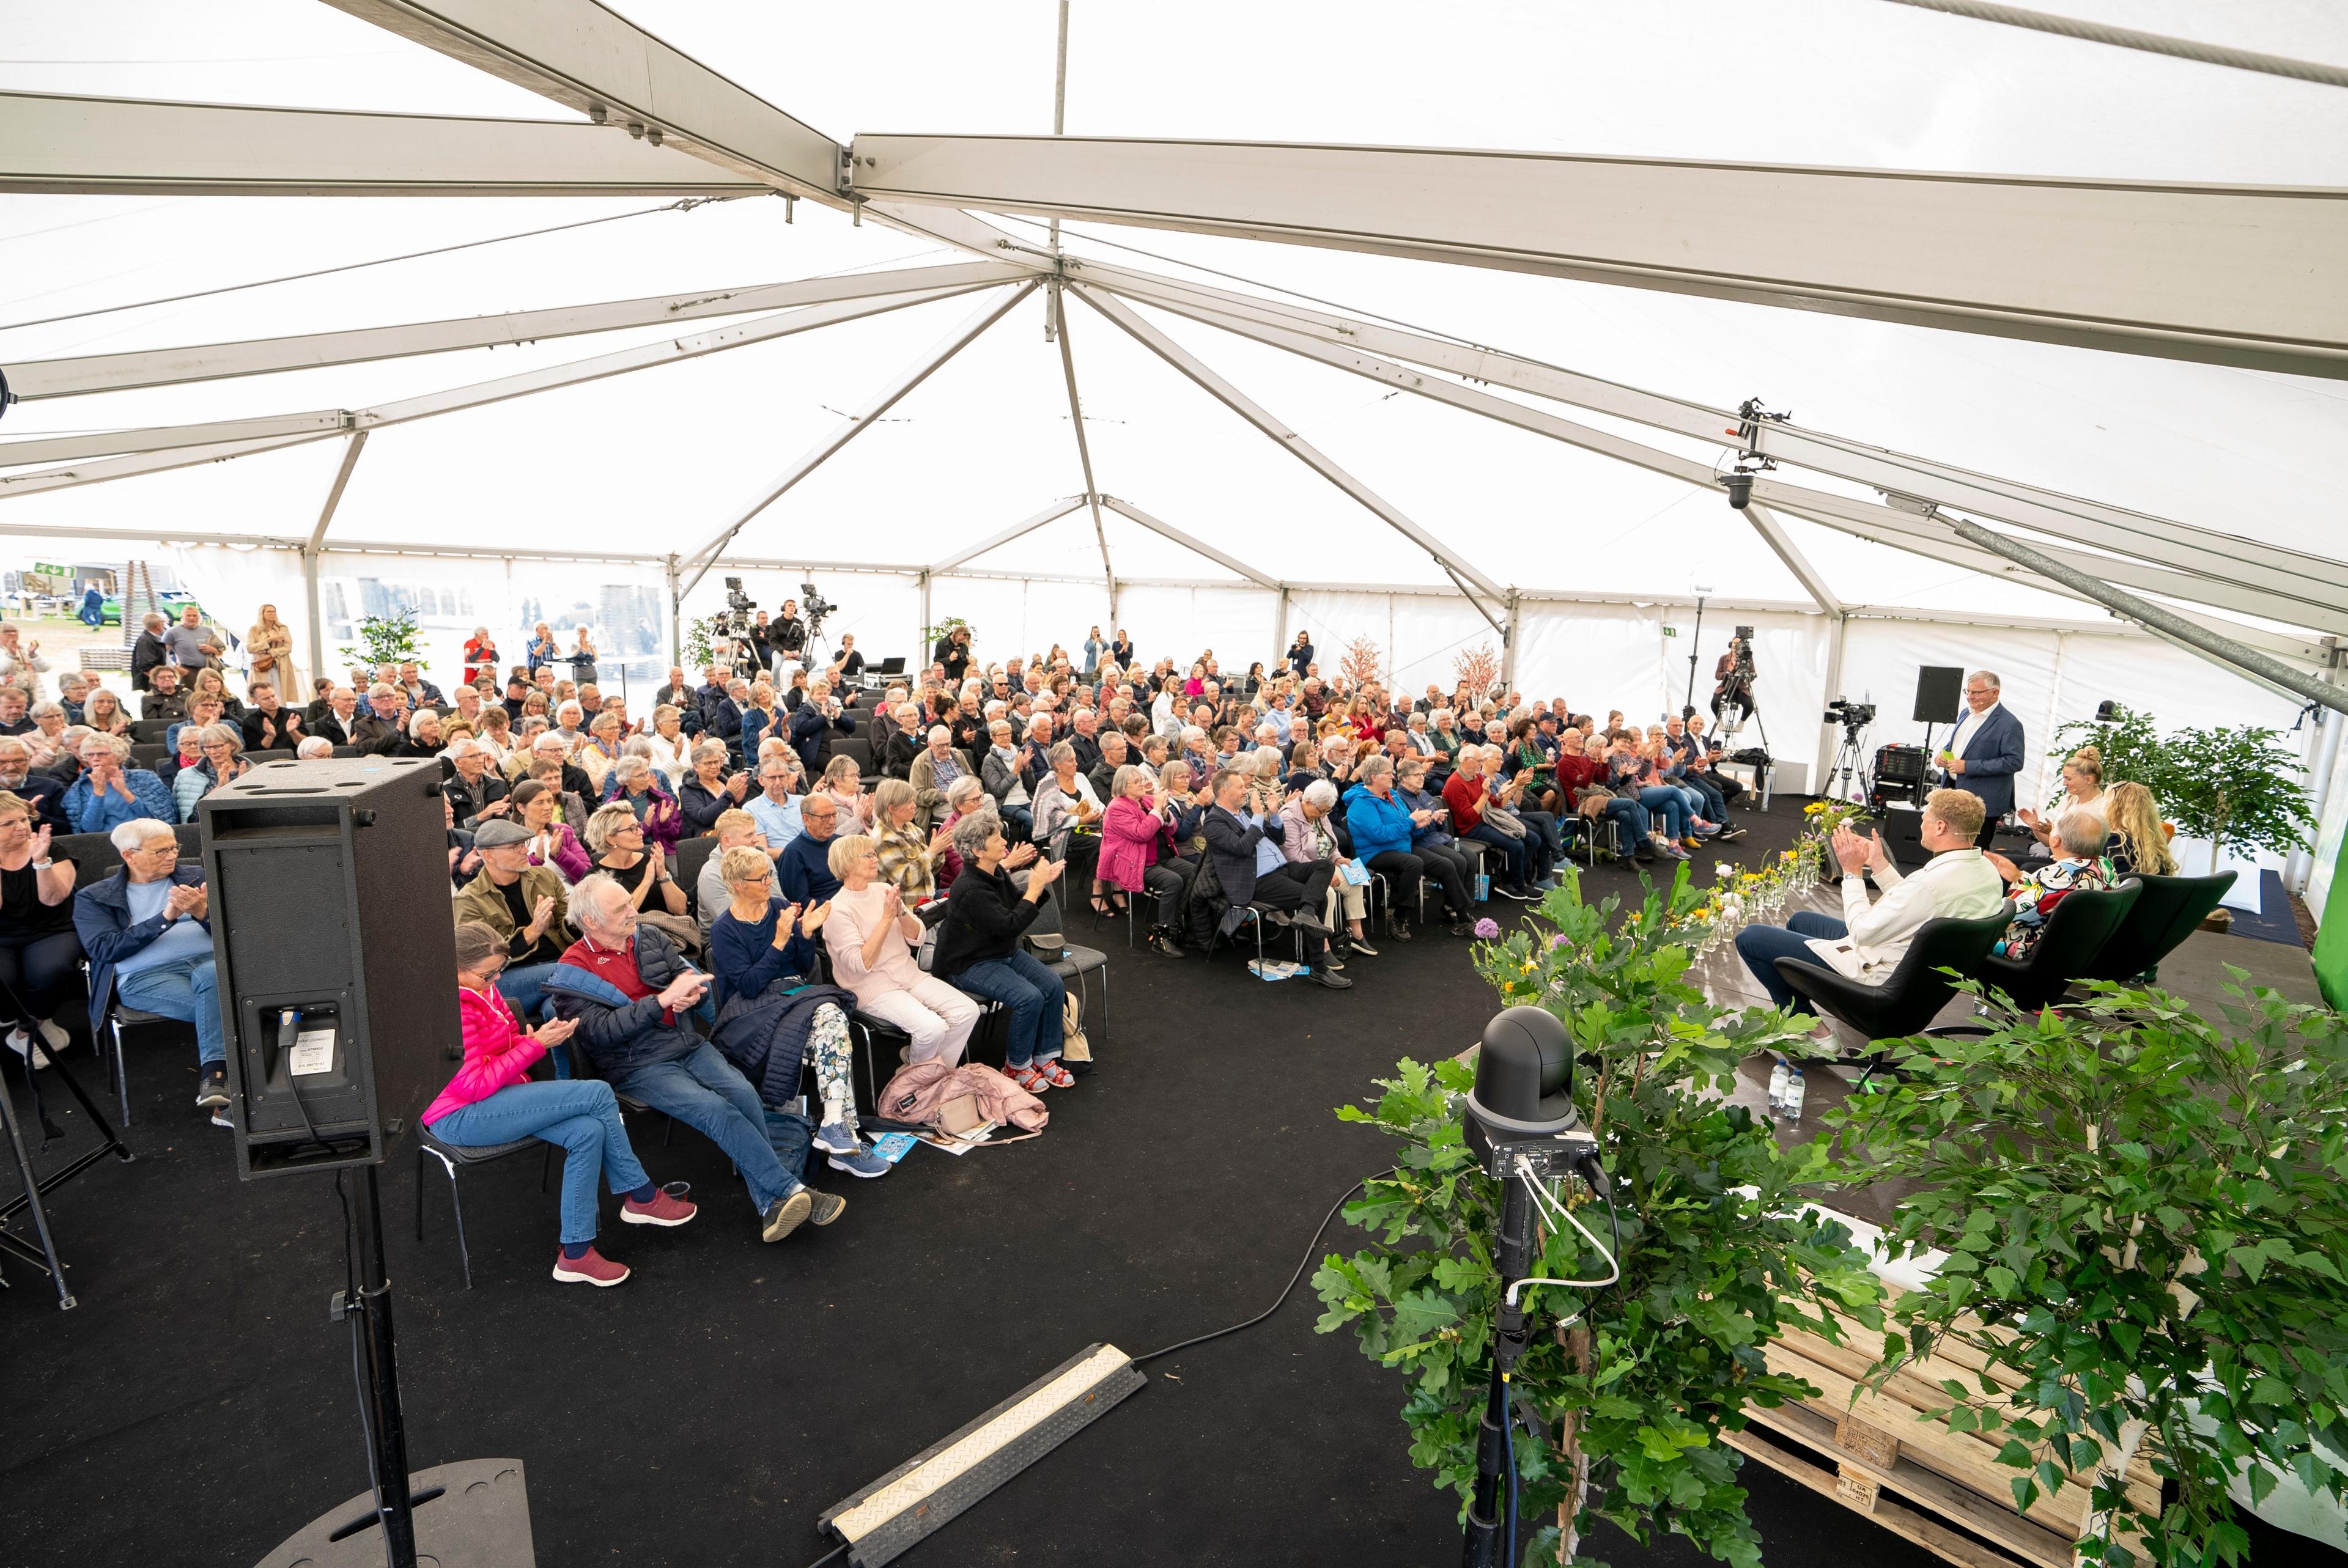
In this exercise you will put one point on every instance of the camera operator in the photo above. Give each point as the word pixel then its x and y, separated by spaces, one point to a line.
pixel 1733 680
pixel 787 637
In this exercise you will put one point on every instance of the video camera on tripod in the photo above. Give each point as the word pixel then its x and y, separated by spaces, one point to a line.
pixel 1853 716
pixel 816 607
pixel 1848 771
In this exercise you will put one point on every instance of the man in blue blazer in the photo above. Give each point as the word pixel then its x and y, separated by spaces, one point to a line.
pixel 1984 752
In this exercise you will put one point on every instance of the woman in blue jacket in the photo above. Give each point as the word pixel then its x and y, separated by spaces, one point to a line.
pixel 1381 828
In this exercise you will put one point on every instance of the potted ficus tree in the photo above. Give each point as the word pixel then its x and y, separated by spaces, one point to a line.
pixel 2145 1217
pixel 2234 787
pixel 385 639
pixel 1635 1385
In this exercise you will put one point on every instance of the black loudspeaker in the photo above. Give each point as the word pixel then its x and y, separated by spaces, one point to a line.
pixel 336 955
pixel 1940 693
pixel 1903 828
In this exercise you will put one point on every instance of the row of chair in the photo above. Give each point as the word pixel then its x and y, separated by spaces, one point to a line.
pixel 2119 935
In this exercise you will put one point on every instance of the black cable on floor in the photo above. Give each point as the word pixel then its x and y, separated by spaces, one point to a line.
pixel 1301 1265
pixel 831 1556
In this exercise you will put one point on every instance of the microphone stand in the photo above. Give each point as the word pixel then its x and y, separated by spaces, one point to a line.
pixel 1488 1511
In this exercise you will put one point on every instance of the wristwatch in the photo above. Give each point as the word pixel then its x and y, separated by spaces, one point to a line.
pixel 45 865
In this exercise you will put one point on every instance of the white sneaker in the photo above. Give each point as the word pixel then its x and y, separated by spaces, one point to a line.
pixel 57 1038
pixel 22 1044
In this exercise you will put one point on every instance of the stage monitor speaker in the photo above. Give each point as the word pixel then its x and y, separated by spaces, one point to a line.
pixel 335 954
pixel 1903 828
pixel 1940 693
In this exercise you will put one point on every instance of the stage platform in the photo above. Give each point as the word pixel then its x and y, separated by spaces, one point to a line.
pixel 198 1406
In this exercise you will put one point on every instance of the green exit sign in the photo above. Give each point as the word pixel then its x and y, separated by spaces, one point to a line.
pixel 1671 631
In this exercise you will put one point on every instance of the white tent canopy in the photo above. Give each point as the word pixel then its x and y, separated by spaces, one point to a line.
pixel 2145 309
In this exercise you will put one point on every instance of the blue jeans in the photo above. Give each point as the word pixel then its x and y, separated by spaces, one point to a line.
pixel 579 1113
pixel 184 991
pixel 1034 996
pixel 524 990
pixel 1762 946
pixel 1715 806
pixel 701 1090
pixel 1512 853
pixel 1663 801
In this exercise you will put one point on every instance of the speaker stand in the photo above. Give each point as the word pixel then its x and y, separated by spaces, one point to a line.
pixel 474 1513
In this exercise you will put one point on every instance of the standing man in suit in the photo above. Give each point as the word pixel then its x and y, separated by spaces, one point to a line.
pixel 1983 753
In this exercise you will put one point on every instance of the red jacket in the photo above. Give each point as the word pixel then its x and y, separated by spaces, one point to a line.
pixel 1578 772
pixel 1466 799
pixel 498 1055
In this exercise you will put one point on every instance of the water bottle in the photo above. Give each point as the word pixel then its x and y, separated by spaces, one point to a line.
pixel 1779 1076
pixel 1794 1094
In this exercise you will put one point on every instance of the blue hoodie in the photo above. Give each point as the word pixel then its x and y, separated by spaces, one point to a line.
pixel 1377 826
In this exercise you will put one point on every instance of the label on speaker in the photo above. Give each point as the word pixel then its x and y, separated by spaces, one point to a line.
pixel 314 1052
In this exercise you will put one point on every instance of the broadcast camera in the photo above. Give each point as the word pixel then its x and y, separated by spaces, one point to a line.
pixel 816 607
pixel 1853 716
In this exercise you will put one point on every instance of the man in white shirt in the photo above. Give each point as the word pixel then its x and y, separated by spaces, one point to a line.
pixel 1868 943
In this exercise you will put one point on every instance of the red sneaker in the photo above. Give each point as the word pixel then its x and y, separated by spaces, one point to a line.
pixel 663 1210
pixel 590 1267
pixel 1053 1073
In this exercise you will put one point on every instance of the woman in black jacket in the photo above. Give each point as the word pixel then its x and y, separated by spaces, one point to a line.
pixel 978 951
pixel 709 793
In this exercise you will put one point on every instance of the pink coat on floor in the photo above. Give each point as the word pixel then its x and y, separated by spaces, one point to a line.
pixel 919 1088
pixel 1133 839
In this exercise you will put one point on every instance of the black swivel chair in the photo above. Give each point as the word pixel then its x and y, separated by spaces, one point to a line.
pixel 2076 935
pixel 2169 911
pixel 1916 990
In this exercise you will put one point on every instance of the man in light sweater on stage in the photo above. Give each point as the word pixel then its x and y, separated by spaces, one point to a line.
pixel 1868 943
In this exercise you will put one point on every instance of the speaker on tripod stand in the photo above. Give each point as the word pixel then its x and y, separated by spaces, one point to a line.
pixel 1940 697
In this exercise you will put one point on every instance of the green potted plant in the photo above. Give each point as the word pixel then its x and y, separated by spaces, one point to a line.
pixel 385 639
pixel 2130 748
pixel 2145 1218
pixel 2234 787
pixel 1635 1385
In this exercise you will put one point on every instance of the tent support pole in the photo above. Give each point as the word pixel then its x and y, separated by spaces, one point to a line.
pixel 922 639
pixel 1075 403
pixel 855 425
pixel 1509 647
pixel 676 611
pixel 1834 634
pixel 351 447
pixel 1280 638
pixel 2323 767
pixel 2220 650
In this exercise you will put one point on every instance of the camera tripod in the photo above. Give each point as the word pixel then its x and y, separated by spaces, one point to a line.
pixel 1848 770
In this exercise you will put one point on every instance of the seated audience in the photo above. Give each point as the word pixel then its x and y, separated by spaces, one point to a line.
pixel 1067 819
pixel 712 789
pixel 1139 855
pixel 104 713
pixel 1000 770
pixel 2077 866
pixel 524 904
pixel 934 772
pixel 314 748
pixel 803 870
pixel 636 784
pixel 843 781
pixel 2082 790
pixel 979 950
pixel 904 743
pixel 599 752
pixel 907 853
pixel 44 796
pixel 220 761
pixel 873 934
pixel 475 789
pixel 1310 833
pixel 551 843
pixel 1245 834
pixel 1382 829
pixel 1868 943
pixel 616 839
pixel 148 933
pixel 1430 834
pixel 110 793
pixel 2139 842
pixel 631 993
pixel 491 1101
pixel 40 956
pixel 269 725
pixel 771 1022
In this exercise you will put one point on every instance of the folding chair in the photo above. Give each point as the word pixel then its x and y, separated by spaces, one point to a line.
pixel 453 1156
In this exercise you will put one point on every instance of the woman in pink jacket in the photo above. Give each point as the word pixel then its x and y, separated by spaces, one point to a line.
pixel 490 1100
pixel 1137 854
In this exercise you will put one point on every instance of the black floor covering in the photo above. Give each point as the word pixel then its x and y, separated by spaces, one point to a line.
pixel 198 1406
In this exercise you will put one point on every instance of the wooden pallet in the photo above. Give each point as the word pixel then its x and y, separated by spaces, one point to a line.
pixel 1872 1451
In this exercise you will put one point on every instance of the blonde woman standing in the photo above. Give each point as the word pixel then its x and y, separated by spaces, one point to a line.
pixel 269 641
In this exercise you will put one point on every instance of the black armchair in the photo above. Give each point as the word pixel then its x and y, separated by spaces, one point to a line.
pixel 2168 911
pixel 1916 990
pixel 2075 935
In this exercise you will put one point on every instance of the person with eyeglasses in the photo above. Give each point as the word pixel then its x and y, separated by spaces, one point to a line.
pixel 222 762
pixel 1983 753
pixel 148 932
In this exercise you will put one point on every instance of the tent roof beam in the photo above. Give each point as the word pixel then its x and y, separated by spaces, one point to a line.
pixel 2048 512
pixel 478 395
pixel 1132 512
pixel 1020 530
pixel 855 425
pixel 2245 275
pixel 1231 397
pixel 36 379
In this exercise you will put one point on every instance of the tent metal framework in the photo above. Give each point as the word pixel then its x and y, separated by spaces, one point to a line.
pixel 2251 276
